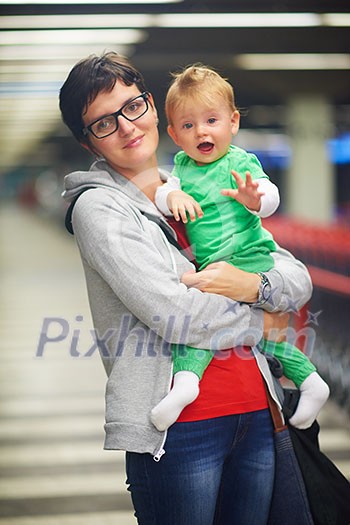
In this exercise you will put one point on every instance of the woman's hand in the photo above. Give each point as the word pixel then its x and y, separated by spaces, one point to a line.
pixel 224 279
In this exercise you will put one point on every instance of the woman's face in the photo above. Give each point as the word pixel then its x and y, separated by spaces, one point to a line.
pixel 132 148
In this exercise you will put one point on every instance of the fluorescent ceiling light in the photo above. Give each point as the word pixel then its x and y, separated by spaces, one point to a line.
pixel 34 72
pixel 26 119
pixel 57 52
pixel 292 61
pixel 335 19
pixel 72 36
pixel 143 20
pixel 238 20
pixel 47 108
pixel 27 88
pixel 75 21
pixel 33 69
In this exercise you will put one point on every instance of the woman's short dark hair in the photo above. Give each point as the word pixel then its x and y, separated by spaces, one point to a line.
pixel 87 79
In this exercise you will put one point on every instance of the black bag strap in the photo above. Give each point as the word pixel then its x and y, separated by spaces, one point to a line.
pixel 167 232
pixel 68 218
pixel 154 218
pixel 277 418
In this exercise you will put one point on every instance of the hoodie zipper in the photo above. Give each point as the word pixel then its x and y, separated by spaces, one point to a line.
pixel 157 457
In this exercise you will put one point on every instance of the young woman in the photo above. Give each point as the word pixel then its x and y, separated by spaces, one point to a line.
pixel 215 464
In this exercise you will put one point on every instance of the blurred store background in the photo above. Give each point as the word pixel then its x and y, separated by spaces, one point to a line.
pixel 289 62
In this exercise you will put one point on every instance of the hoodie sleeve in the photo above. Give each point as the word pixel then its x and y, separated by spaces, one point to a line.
pixel 291 283
pixel 133 257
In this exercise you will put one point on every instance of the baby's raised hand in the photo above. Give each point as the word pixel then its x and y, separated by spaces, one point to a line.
pixel 247 193
pixel 180 204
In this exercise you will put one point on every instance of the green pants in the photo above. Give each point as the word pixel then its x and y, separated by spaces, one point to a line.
pixel 296 366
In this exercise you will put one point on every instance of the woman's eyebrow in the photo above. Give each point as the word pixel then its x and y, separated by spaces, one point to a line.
pixel 112 113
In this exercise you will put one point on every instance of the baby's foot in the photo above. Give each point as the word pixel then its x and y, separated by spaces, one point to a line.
pixel 314 393
pixel 184 391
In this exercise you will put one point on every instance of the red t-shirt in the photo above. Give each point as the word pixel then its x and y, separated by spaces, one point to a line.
pixel 232 383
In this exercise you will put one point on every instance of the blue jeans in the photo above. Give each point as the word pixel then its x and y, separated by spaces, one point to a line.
pixel 215 472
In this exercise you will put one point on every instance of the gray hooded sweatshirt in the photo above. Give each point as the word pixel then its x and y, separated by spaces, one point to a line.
pixel 139 306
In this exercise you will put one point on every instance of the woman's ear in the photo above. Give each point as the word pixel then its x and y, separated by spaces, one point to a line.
pixel 87 146
pixel 172 134
pixel 151 101
pixel 235 119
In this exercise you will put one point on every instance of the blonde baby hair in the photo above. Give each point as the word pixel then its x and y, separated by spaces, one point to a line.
pixel 200 84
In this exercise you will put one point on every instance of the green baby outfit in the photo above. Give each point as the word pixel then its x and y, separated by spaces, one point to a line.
pixel 229 232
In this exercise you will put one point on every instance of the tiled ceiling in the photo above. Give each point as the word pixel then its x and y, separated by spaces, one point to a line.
pixel 39 42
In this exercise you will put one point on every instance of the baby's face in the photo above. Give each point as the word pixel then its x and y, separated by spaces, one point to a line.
pixel 204 133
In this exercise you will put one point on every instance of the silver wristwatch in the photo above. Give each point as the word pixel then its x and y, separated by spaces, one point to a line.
pixel 264 289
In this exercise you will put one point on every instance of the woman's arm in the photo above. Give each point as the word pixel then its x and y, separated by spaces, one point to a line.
pixel 290 283
pixel 132 256
pixel 224 279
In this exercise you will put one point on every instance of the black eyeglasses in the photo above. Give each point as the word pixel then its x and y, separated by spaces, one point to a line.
pixel 132 110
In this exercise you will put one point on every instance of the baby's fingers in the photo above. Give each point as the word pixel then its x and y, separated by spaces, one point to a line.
pixel 229 193
pixel 238 178
pixel 198 210
pixel 182 213
pixel 175 211
pixel 249 181
pixel 194 210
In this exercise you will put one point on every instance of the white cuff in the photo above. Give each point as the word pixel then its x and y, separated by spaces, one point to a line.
pixel 269 201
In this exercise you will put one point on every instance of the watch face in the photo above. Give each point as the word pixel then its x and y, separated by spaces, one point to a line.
pixel 265 288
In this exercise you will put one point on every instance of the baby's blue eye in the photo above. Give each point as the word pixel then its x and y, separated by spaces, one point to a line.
pixel 212 120
pixel 188 125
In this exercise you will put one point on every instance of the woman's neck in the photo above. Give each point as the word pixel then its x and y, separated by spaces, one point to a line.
pixel 147 181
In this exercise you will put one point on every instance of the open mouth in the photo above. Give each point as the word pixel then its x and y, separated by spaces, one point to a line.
pixel 206 147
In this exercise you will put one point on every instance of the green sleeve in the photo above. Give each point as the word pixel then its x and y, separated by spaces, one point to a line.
pixel 244 161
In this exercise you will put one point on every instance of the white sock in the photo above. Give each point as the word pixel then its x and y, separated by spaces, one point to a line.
pixel 185 390
pixel 314 393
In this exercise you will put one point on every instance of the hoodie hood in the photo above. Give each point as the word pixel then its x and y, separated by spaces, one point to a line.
pixel 101 175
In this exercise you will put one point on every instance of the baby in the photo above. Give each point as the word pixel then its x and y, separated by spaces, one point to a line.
pixel 224 191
